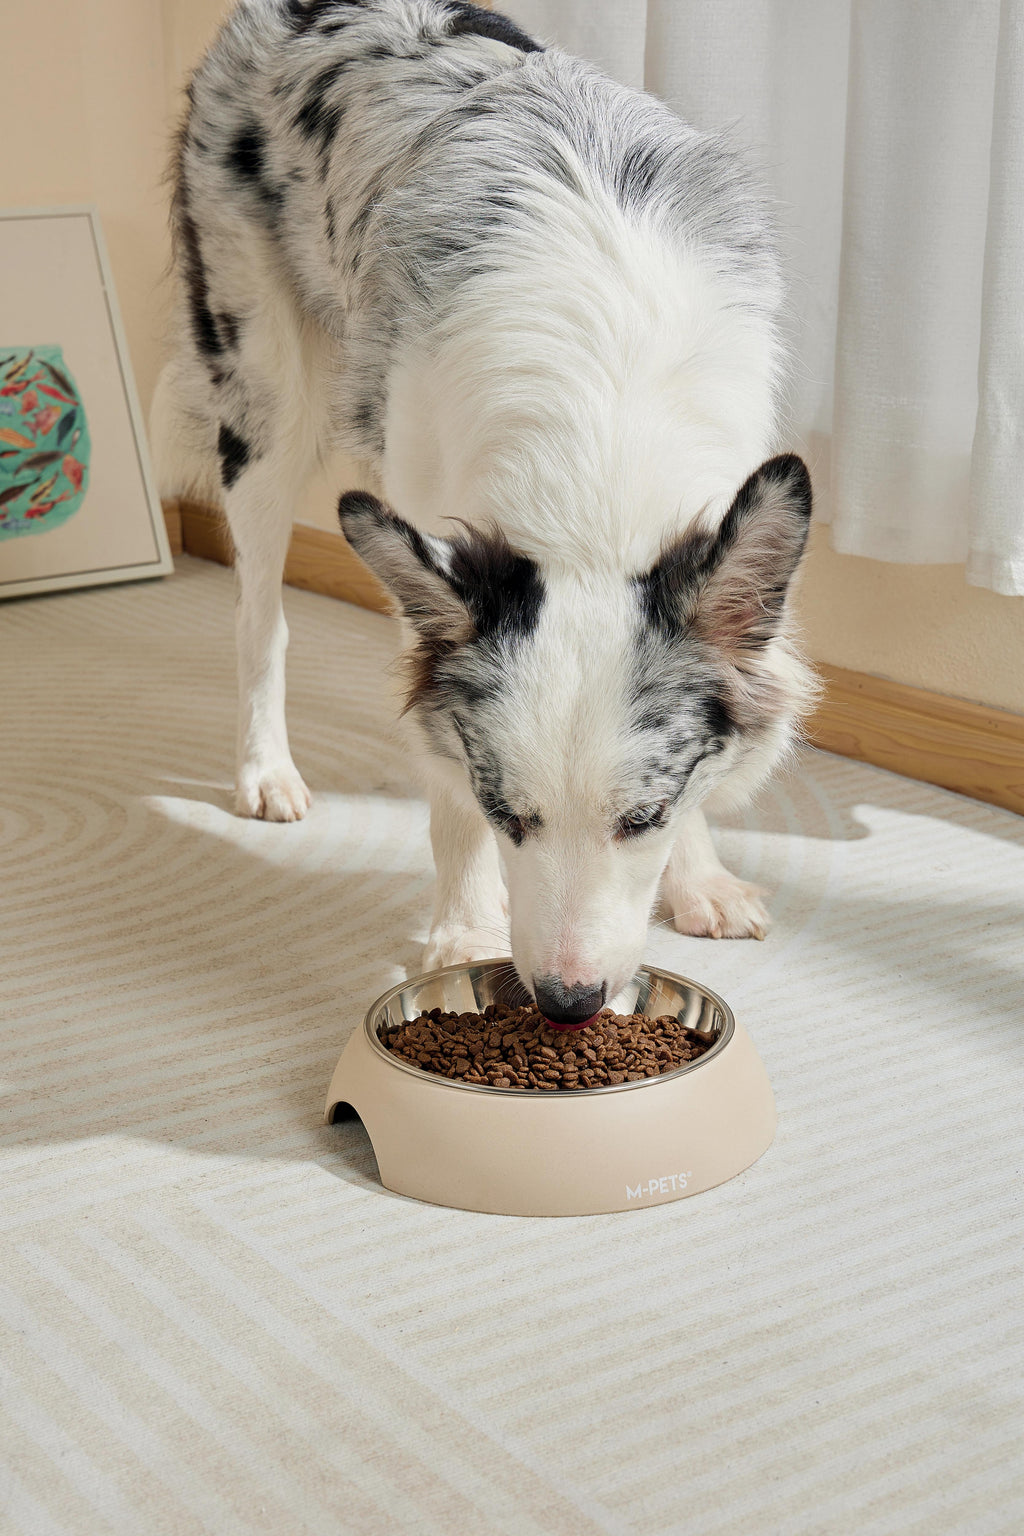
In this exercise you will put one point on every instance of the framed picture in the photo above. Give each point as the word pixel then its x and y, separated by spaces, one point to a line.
pixel 77 502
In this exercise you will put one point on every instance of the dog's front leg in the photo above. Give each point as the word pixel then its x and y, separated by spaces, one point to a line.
pixel 470 921
pixel 703 897
pixel 258 507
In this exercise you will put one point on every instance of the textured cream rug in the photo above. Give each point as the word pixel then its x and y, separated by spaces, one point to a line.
pixel 217 1321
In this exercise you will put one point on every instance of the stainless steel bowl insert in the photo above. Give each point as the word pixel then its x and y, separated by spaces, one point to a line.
pixel 471 988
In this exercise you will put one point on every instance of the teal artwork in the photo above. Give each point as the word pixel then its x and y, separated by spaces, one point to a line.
pixel 44 441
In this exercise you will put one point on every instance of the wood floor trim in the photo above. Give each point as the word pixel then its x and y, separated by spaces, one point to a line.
pixel 172 518
pixel 958 745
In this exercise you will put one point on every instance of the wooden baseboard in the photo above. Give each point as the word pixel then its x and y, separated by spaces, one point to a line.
pixel 172 518
pixel 966 747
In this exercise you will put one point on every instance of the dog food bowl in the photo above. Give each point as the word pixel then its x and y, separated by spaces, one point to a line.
pixel 579 1152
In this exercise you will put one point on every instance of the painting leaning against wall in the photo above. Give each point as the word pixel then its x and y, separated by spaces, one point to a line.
pixel 77 502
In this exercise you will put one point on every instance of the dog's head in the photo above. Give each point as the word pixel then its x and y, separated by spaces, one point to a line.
pixel 590 710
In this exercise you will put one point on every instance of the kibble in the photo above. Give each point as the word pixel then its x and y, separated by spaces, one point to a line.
pixel 516 1048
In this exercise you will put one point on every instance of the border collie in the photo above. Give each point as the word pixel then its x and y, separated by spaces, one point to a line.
pixel 543 311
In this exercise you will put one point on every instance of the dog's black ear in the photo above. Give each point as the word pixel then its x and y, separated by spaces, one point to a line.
pixel 729 586
pixel 450 589
pixel 414 566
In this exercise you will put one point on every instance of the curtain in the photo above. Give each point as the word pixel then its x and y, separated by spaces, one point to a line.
pixel 891 134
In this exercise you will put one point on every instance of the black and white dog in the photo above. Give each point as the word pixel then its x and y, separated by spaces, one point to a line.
pixel 537 303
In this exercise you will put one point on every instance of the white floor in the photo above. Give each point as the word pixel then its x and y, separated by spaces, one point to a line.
pixel 217 1321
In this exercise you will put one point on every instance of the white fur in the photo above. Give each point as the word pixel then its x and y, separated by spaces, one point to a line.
pixel 587 459
pixel 605 381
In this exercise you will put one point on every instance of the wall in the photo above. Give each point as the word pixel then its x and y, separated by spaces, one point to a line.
pixel 917 624
pixel 188 26
pixel 83 89
pixel 92 115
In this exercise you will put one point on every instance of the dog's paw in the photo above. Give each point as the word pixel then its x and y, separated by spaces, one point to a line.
pixel 272 794
pixel 462 946
pixel 720 907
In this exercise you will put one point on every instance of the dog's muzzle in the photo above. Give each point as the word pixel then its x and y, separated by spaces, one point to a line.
pixel 567 1007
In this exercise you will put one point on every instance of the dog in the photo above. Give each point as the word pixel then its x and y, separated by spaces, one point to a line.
pixel 544 311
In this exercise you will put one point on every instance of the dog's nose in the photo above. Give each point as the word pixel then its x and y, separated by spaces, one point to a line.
pixel 567 1005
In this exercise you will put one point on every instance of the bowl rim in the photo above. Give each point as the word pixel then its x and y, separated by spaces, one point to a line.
pixel 433 1079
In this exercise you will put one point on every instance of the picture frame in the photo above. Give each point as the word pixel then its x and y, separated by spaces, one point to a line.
pixel 78 504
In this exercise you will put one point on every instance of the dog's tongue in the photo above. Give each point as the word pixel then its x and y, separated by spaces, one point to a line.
pixel 563 1027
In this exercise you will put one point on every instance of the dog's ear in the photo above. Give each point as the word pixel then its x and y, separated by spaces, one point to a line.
pixel 451 590
pixel 729 586
pixel 414 566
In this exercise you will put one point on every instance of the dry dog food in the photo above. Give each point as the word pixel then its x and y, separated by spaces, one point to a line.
pixel 515 1048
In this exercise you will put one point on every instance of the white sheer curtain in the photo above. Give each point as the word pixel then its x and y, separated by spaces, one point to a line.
pixel 892 135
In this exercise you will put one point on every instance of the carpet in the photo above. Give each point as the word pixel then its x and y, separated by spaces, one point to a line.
pixel 214 1317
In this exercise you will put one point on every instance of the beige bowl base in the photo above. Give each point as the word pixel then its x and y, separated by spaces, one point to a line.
pixel 565 1154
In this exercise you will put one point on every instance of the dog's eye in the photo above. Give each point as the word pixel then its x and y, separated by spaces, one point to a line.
pixel 513 826
pixel 642 818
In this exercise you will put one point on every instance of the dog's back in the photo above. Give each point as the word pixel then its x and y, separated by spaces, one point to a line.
pixel 537 302
pixel 364 172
